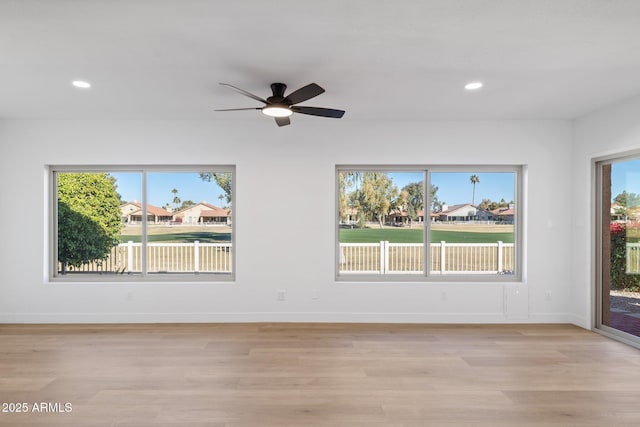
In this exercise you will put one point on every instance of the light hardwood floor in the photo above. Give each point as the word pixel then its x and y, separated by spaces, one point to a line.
pixel 318 374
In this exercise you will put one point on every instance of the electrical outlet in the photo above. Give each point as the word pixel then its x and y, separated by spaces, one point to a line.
pixel 314 294
pixel 129 296
pixel 281 295
pixel 547 296
pixel 443 296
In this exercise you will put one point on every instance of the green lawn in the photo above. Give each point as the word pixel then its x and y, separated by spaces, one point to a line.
pixel 365 235
pixel 189 237
pixel 470 237
pixel 405 235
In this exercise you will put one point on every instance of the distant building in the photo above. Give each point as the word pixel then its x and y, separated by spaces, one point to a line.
pixel 401 217
pixel 132 214
pixel 203 213
pixel 463 213
pixel 349 216
pixel 617 212
pixel 504 215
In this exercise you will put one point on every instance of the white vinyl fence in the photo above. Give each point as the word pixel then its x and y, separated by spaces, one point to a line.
pixel 374 258
pixel 633 258
pixel 193 257
pixel 445 258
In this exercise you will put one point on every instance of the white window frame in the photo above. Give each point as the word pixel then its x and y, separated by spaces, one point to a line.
pixel 519 172
pixel 51 264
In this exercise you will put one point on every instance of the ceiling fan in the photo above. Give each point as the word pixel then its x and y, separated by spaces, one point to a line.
pixel 280 107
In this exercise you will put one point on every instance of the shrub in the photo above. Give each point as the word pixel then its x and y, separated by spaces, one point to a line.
pixel 89 218
pixel 620 279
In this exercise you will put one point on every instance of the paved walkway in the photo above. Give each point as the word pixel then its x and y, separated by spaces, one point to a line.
pixel 625 321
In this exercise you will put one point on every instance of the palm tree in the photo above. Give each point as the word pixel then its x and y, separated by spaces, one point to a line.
pixel 176 199
pixel 474 180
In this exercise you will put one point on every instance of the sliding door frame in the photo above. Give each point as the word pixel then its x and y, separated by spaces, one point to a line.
pixel 601 173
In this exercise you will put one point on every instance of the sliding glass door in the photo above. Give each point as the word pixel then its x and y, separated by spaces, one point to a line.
pixel 618 194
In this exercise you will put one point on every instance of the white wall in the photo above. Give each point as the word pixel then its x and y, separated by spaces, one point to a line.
pixel 612 130
pixel 278 169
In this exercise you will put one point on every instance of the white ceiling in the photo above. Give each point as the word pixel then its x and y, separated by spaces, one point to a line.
pixel 539 59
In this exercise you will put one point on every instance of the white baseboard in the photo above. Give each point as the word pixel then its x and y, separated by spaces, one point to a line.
pixel 302 317
pixel 580 321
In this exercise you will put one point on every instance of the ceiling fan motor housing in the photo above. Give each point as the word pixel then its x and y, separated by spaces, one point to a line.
pixel 278 90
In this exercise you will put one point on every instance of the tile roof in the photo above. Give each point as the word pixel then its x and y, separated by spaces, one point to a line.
pixel 218 210
pixel 214 213
pixel 504 211
pixel 453 208
pixel 154 210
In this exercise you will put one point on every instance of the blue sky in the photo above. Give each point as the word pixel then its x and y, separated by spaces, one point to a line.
pixel 625 176
pixel 455 187
pixel 188 184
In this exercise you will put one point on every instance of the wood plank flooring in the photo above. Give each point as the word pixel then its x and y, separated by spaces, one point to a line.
pixel 228 375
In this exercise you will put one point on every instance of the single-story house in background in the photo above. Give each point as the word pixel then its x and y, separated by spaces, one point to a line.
pixel 624 213
pixel 617 212
pixel 128 208
pixel 132 214
pixel 401 217
pixel 463 212
pixel 504 214
pixel 350 216
pixel 203 213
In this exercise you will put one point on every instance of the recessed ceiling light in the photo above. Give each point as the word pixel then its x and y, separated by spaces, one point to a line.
pixel 473 86
pixel 81 84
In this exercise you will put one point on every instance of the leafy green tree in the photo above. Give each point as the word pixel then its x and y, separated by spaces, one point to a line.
pixel 626 203
pixel 433 196
pixel 362 220
pixel 342 196
pixel 485 204
pixel 186 204
pixel 346 200
pixel 89 218
pixel 414 199
pixel 372 189
pixel 223 179
pixel 628 200
pixel 375 195
pixel 489 205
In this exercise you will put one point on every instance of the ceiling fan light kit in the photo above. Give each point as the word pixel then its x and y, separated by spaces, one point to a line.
pixel 280 107
pixel 276 110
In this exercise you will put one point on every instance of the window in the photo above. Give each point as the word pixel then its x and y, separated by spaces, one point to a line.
pixel 428 223
pixel 150 223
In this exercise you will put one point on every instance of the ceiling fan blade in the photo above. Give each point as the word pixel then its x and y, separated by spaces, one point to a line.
pixel 315 111
pixel 304 93
pixel 245 93
pixel 283 121
pixel 239 109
